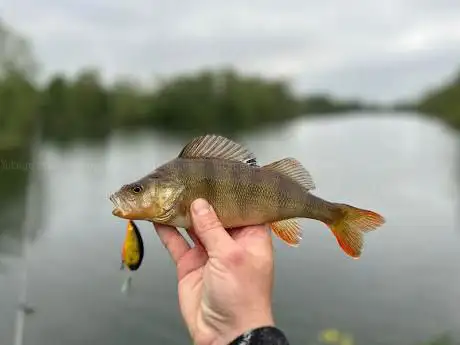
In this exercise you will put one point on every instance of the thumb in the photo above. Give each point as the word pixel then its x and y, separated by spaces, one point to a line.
pixel 209 229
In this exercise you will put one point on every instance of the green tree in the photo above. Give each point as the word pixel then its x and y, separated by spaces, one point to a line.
pixel 129 105
pixel 444 102
pixel 18 104
pixel 75 109
pixel 221 101
pixel 88 105
pixel 16 54
pixel 54 108
pixel 18 97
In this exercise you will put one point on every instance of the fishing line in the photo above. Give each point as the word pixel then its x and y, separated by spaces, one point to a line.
pixel 22 299
pixel 126 287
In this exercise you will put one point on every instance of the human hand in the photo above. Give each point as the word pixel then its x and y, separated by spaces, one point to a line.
pixel 224 281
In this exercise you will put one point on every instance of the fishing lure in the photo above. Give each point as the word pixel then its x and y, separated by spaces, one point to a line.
pixel 132 253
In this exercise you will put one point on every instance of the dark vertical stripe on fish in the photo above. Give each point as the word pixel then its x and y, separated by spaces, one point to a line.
pixel 255 190
pixel 209 172
pixel 279 196
pixel 236 180
pixel 181 170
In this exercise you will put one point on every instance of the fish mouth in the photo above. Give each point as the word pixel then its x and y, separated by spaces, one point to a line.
pixel 114 200
pixel 117 209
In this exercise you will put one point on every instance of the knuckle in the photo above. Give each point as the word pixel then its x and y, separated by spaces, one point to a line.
pixel 265 261
pixel 181 266
pixel 166 242
pixel 209 224
pixel 236 256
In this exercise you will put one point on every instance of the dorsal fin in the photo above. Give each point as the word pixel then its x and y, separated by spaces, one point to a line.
pixel 292 168
pixel 216 146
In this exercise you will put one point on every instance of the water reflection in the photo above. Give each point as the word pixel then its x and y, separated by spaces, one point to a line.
pixel 22 210
pixel 402 292
pixel 457 176
pixel 14 179
pixel 22 199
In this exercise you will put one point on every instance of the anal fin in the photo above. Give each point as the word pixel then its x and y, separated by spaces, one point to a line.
pixel 288 230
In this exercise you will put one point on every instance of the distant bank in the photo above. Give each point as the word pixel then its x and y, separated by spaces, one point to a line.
pixel 219 100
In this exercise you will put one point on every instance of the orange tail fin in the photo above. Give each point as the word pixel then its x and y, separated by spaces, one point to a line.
pixel 349 228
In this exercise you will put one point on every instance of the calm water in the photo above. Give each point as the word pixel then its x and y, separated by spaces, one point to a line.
pixel 406 287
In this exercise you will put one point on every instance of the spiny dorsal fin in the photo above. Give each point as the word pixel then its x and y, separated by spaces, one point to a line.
pixel 288 231
pixel 292 168
pixel 216 146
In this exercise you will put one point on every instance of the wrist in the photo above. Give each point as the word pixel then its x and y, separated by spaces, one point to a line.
pixel 244 325
pixel 261 336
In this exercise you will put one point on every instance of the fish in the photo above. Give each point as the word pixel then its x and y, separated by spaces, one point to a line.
pixel 242 192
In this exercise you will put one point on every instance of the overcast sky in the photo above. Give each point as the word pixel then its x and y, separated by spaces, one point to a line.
pixel 374 49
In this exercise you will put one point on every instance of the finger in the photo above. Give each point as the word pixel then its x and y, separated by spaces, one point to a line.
pixel 194 259
pixel 256 239
pixel 235 232
pixel 209 229
pixel 174 242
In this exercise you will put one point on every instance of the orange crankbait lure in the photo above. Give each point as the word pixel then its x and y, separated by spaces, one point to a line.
pixel 132 252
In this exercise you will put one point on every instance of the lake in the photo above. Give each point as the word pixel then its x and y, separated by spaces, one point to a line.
pixel 404 289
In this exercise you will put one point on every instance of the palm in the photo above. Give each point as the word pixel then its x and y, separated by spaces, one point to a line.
pixel 195 259
pixel 225 280
pixel 198 273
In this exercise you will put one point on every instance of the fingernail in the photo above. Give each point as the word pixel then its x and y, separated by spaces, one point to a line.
pixel 200 207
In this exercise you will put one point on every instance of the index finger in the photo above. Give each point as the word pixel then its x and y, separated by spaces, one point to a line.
pixel 172 239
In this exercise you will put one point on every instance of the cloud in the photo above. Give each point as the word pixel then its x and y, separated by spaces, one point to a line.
pixel 379 50
pixel 386 78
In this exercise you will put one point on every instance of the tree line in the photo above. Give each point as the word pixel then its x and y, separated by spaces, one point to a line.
pixel 208 100
pixel 443 102
pixel 222 101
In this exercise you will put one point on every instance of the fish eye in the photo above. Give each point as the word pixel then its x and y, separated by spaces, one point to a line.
pixel 137 188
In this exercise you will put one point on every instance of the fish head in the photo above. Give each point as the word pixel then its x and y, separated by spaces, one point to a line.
pixel 150 198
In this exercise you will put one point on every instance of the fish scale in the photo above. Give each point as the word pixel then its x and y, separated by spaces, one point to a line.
pixel 255 190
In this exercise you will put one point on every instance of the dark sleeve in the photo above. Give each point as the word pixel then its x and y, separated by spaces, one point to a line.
pixel 261 336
